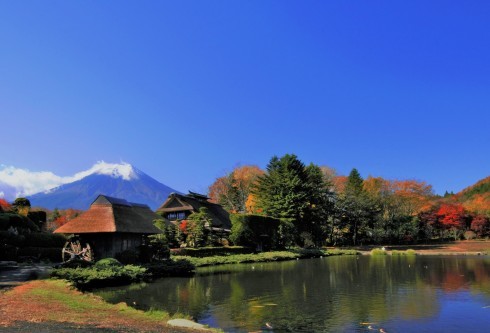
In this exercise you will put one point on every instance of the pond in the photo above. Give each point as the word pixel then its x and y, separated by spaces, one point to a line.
pixel 334 294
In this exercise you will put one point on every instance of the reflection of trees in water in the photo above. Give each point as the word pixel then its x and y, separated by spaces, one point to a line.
pixel 308 295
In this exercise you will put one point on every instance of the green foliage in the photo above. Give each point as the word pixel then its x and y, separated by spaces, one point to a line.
pixel 75 263
pixel 263 257
pixel 38 217
pixel 93 277
pixel 197 224
pixel 110 272
pixel 378 252
pixel 290 190
pixel 170 268
pixel 408 252
pixel 283 191
pixel 19 222
pixel 128 257
pixel 479 188
pixel 41 239
pixel 107 263
pixel 254 230
pixel 354 184
pixel 212 251
pixel 52 254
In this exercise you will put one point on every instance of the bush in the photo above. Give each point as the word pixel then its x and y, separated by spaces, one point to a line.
pixel 40 239
pixel 211 251
pixel 107 263
pixel 378 252
pixel 87 278
pixel 171 268
pixel 38 217
pixel 20 222
pixel 75 263
pixel 408 252
pixel 128 257
pixel 11 239
pixel 52 254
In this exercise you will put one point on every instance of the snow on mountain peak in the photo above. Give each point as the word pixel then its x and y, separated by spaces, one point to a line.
pixel 116 170
pixel 15 182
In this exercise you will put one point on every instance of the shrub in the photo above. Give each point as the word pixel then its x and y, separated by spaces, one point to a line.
pixel 378 252
pixel 211 251
pixel 180 267
pixel 87 278
pixel 20 222
pixel 12 239
pixel 75 263
pixel 40 239
pixel 128 257
pixel 38 217
pixel 52 254
pixel 107 263
pixel 410 252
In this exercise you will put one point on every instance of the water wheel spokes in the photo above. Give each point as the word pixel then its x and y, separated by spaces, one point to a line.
pixel 76 250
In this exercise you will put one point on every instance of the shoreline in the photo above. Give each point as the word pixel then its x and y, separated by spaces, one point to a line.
pixel 55 305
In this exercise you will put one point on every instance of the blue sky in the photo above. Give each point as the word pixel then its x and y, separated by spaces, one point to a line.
pixel 186 90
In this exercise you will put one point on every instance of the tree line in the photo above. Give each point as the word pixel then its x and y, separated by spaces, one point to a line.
pixel 325 208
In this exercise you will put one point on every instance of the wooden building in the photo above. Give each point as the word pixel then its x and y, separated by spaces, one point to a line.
pixel 110 226
pixel 178 207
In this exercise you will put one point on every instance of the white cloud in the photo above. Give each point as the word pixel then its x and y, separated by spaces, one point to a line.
pixel 16 182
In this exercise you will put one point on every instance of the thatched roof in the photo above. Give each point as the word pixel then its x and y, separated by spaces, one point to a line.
pixel 108 214
pixel 192 202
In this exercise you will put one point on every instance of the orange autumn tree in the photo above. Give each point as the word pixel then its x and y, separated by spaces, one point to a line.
pixel 414 196
pixel 453 218
pixel 233 190
pixel 4 206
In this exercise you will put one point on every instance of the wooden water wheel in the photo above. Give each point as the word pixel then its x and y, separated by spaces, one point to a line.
pixel 75 249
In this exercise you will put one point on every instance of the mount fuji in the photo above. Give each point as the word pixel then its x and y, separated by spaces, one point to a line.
pixel 116 180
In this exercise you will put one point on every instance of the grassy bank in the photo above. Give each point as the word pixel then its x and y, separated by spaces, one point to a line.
pixel 110 272
pixel 55 302
pixel 263 257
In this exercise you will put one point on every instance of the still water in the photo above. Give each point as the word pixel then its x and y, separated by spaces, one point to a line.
pixel 335 294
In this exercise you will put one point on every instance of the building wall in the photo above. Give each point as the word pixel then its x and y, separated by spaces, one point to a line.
pixel 108 245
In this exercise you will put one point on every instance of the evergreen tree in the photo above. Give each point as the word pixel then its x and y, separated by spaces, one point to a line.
pixel 354 186
pixel 290 190
pixel 356 211
pixel 283 191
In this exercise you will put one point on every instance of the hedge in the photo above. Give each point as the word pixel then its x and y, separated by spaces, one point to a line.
pixel 8 220
pixel 211 251
pixel 39 239
pixel 40 253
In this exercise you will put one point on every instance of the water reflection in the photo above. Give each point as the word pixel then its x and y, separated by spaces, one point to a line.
pixel 347 294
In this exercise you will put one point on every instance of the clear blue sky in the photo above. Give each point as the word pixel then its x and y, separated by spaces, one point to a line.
pixel 186 90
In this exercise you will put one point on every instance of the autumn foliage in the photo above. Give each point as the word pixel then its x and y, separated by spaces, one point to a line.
pixel 234 189
pixel 4 205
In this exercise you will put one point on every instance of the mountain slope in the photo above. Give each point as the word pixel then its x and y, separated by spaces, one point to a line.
pixel 476 198
pixel 127 183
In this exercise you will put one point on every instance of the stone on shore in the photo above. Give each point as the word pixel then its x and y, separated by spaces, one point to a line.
pixel 186 323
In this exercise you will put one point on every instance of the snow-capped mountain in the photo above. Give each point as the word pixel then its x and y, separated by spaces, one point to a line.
pixel 117 180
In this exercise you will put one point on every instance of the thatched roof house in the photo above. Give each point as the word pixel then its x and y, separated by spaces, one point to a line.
pixel 178 207
pixel 112 225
